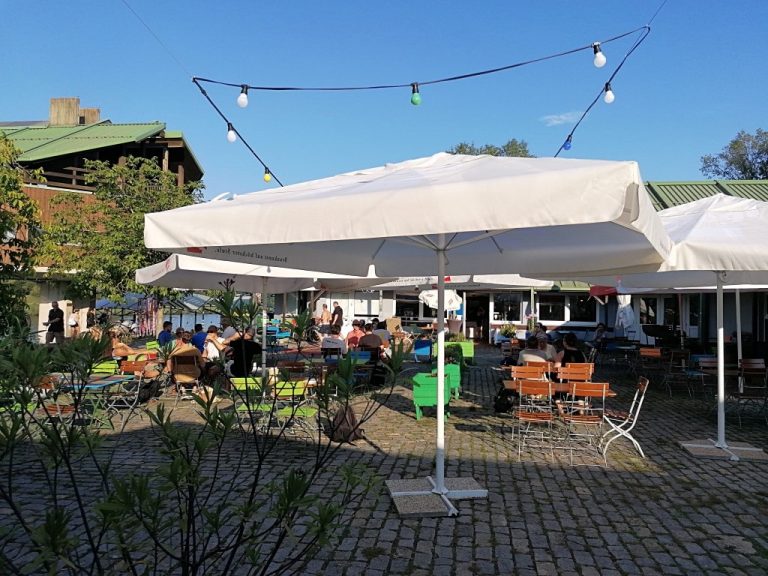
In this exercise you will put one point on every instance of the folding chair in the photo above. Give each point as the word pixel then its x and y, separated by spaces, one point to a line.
pixel 622 422
pixel 186 371
pixel 752 393
pixel 532 372
pixel 535 416
pixel 106 366
pixel 422 350
pixel 584 415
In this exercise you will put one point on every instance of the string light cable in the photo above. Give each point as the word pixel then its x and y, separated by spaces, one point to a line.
pixel 606 91
pixel 595 47
pixel 242 99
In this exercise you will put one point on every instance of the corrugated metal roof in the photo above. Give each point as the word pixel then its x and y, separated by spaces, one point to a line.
pixel 754 189
pixel 38 143
pixel 668 194
pixel 570 286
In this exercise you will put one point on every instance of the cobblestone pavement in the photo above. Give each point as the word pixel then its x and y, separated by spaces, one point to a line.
pixel 670 513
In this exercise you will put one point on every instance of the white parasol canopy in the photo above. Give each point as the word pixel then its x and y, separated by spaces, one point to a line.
pixel 720 240
pixel 485 215
pixel 452 299
pixel 190 272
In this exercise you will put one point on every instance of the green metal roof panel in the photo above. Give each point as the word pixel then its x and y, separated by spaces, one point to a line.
pixel 754 189
pixel 39 143
pixel 571 286
pixel 668 194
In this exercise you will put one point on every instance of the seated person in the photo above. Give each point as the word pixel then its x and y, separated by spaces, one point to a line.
pixel 550 353
pixel 599 336
pixel 354 336
pixel 570 352
pixel 166 335
pixel 532 353
pixel 121 350
pixel 334 340
pixel 370 341
pixel 185 373
pixel 198 338
pixel 245 351
pixel 380 329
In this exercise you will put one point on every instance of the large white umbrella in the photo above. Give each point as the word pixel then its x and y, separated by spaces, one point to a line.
pixel 452 301
pixel 445 214
pixel 190 272
pixel 718 240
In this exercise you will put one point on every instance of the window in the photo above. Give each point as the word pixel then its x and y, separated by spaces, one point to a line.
pixel 407 306
pixel 694 306
pixel 551 308
pixel 583 308
pixel 648 310
pixel 671 311
pixel 506 307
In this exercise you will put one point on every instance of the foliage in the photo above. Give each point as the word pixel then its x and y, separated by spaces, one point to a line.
pixel 298 326
pixel 250 486
pixel 102 235
pixel 454 353
pixel 20 232
pixel 513 147
pixel 508 330
pixel 744 158
pixel 455 337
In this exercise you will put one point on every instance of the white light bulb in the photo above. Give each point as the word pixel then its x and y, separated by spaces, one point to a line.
pixel 242 100
pixel 609 96
pixel 231 135
pixel 600 59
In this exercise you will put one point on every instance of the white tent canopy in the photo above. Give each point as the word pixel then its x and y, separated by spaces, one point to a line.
pixel 468 282
pixel 718 240
pixel 498 215
pixel 485 215
pixel 189 272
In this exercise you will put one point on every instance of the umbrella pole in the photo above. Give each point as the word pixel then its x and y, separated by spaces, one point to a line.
pixel 440 456
pixel 264 334
pixel 721 443
pixel 739 351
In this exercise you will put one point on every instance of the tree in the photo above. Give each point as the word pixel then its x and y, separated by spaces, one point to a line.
pixel 744 158
pixel 20 230
pixel 101 236
pixel 514 147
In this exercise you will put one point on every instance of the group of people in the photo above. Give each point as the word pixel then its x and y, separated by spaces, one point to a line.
pixel 236 351
pixel 372 336
pixel 326 319
pixel 539 349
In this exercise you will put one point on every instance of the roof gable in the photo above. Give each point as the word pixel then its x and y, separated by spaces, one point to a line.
pixel 42 142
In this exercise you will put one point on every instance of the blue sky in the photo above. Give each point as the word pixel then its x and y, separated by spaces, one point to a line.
pixel 698 79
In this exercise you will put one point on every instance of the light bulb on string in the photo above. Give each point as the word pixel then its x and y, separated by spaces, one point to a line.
pixel 242 100
pixel 231 134
pixel 415 96
pixel 267 175
pixel 568 142
pixel 600 59
pixel 609 95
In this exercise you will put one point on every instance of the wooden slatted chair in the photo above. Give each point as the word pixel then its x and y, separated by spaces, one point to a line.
pixel 584 415
pixel 535 417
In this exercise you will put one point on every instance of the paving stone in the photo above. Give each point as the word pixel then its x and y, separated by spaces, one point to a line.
pixel 667 514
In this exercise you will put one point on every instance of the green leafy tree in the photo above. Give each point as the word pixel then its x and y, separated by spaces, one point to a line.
pixel 514 147
pixel 101 236
pixel 744 158
pixel 20 229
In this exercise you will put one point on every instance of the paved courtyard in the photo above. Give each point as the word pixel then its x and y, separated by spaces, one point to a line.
pixel 668 514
